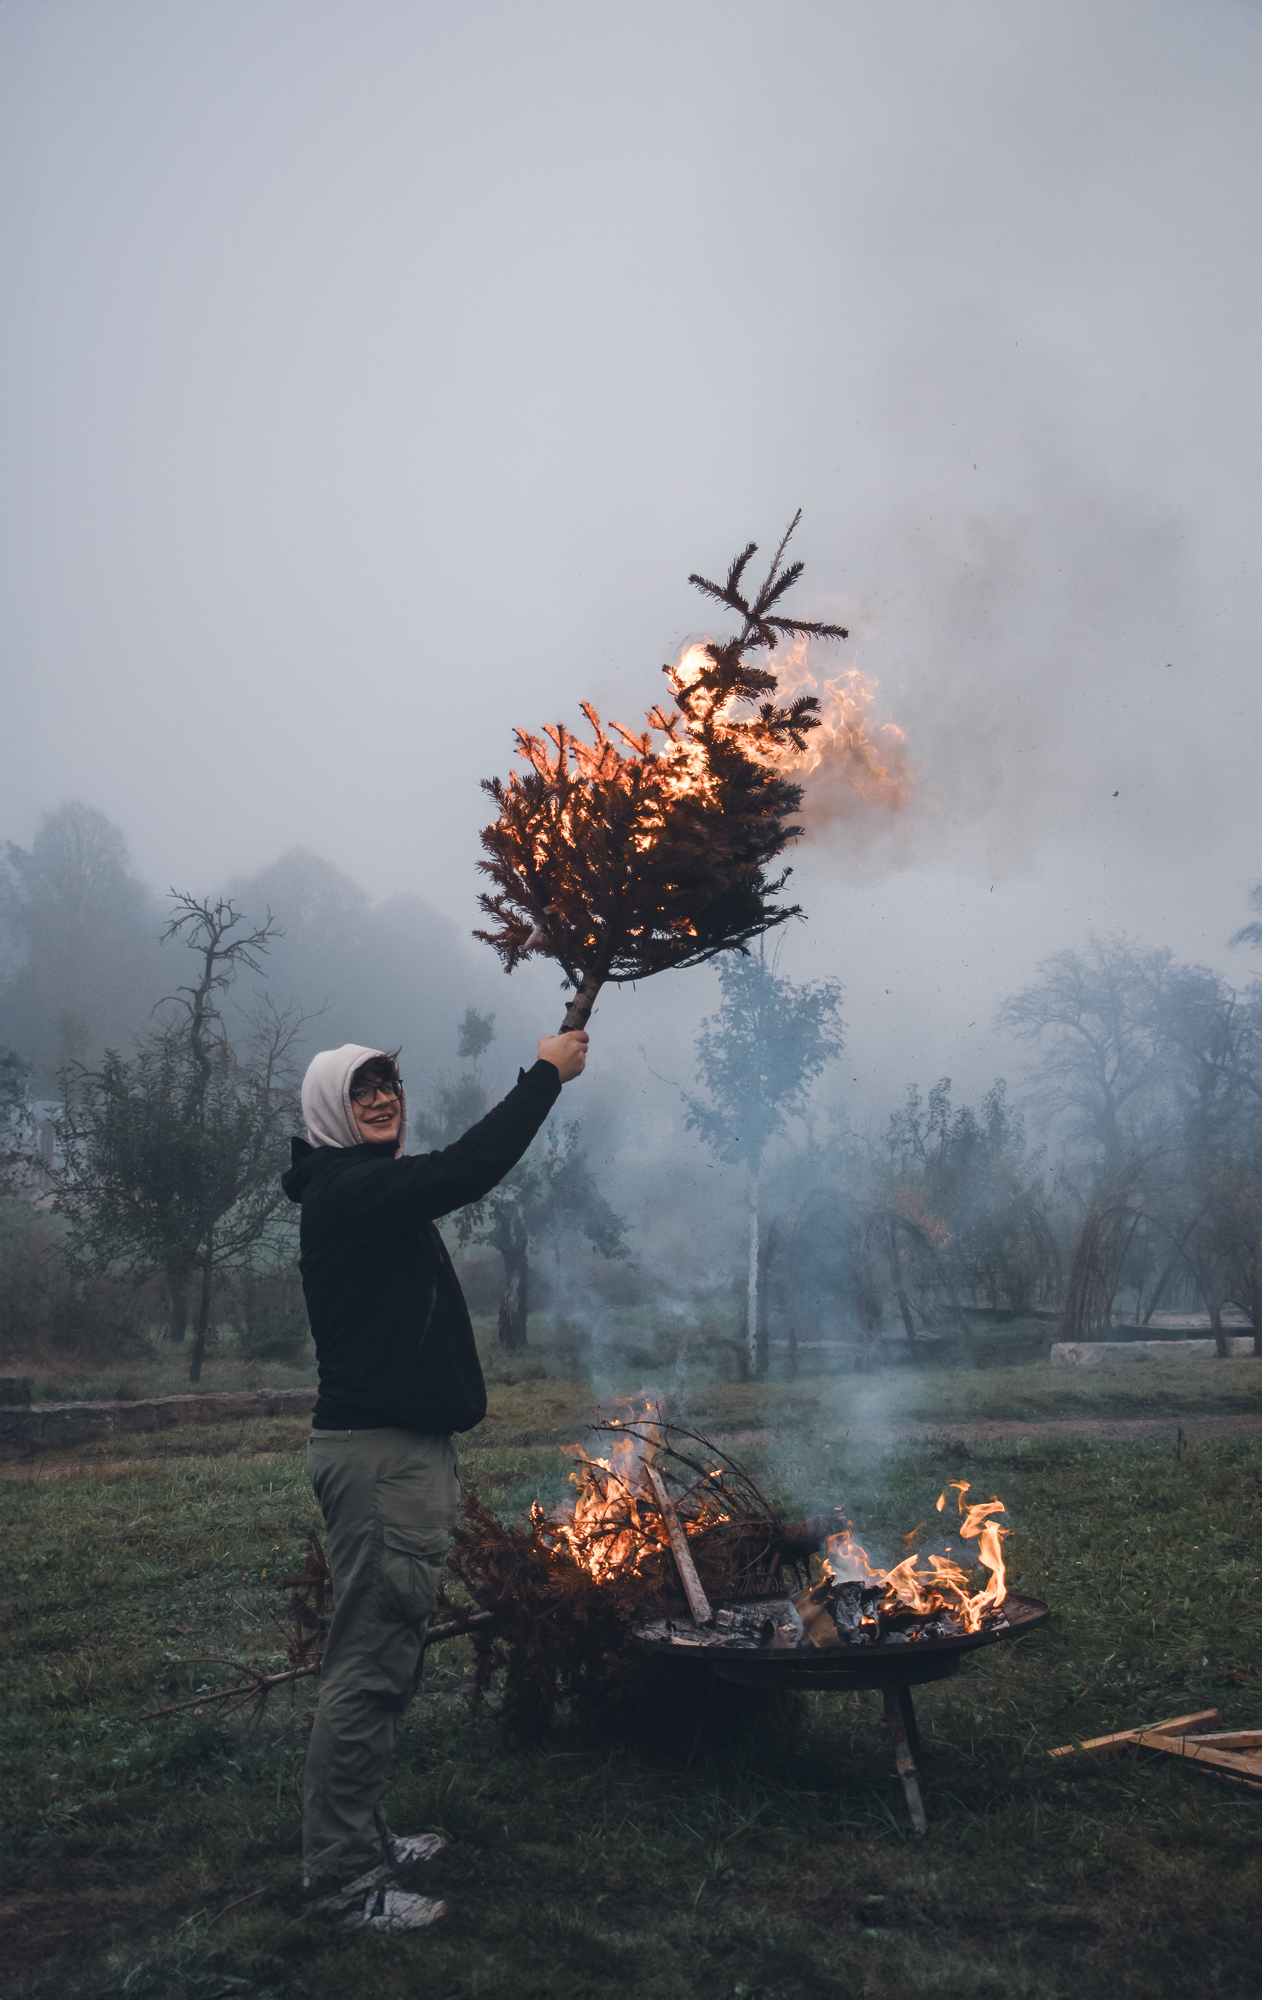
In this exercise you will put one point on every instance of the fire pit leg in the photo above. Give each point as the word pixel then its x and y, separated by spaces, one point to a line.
pixel 909 1720
pixel 902 1752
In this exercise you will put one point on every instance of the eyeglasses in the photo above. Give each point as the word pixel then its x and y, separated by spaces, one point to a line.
pixel 368 1093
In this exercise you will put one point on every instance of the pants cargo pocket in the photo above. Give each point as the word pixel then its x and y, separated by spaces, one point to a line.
pixel 411 1567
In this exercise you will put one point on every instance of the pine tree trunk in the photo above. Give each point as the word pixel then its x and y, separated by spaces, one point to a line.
pixel 580 1007
pixel 515 1304
pixel 177 1318
pixel 751 1304
pixel 203 1312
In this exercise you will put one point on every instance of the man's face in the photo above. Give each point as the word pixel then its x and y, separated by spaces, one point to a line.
pixel 377 1110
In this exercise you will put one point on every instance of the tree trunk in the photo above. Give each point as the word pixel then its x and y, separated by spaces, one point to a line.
pixel 580 1007
pixel 177 1318
pixel 751 1299
pixel 1161 1284
pixel 515 1304
pixel 868 1302
pixel 965 1328
pixel 203 1311
pixel 1216 1324
pixel 904 1303
pixel 771 1244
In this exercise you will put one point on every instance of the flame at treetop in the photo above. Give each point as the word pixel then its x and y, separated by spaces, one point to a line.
pixel 843 745
pixel 850 763
pixel 943 1585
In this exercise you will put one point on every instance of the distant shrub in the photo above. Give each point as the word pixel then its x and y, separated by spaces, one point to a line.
pixel 270 1313
pixel 46 1304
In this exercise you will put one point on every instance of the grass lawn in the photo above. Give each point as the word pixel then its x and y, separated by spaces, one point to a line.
pixel 589 1868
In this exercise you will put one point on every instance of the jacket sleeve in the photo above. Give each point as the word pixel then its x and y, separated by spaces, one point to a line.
pixel 423 1186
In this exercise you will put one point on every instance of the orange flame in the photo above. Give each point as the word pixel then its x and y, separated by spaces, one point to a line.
pixel 943 1586
pixel 845 765
pixel 850 763
pixel 871 762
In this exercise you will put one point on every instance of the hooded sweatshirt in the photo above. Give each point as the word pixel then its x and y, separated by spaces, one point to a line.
pixel 393 1338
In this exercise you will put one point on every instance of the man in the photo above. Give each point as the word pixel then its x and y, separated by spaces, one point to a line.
pixel 399 1373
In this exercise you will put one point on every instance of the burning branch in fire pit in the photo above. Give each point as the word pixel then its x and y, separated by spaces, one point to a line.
pixel 622 859
pixel 568 1591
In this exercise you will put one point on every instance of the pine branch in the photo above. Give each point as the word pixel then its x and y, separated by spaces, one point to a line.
pixel 635 852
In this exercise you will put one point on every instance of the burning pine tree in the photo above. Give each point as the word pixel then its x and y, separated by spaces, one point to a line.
pixel 622 859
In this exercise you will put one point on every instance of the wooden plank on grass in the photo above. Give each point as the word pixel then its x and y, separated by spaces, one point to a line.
pixel 1188 1746
pixel 1178 1725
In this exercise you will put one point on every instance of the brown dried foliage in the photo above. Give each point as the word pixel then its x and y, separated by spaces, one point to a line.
pixel 563 1637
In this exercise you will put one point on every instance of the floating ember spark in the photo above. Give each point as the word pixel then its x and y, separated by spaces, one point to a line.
pixel 620 859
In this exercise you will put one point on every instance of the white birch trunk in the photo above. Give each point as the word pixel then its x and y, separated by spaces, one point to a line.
pixel 751 1321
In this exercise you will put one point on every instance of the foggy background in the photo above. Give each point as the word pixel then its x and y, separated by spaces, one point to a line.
pixel 373 376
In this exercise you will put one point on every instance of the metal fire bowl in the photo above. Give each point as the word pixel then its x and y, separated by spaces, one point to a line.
pixel 842 1667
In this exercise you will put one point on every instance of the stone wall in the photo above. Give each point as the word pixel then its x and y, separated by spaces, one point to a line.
pixel 48 1426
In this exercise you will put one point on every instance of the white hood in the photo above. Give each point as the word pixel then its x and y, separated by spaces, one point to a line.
pixel 326 1104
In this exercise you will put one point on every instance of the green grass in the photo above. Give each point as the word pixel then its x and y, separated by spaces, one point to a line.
pixel 585 1868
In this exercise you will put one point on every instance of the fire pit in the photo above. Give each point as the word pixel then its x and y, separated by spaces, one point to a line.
pixel 862 1627
pixel 582 1602
pixel 752 1655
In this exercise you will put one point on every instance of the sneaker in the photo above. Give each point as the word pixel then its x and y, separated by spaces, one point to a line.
pixel 328 1901
pixel 408 1848
pixel 394 1910
pixel 405 1851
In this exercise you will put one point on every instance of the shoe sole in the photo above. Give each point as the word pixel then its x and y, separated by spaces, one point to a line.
pixel 396 1910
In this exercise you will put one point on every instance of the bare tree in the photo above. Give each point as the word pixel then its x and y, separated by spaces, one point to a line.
pixel 1251 933
pixel 1093 1016
pixel 80 941
pixel 173 1155
pixel 973 1181
pixel 541 1201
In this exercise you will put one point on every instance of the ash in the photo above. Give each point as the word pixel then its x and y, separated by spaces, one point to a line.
pixel 752 1624
pixel 827 1616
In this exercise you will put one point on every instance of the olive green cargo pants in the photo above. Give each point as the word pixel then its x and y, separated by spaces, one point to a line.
pixel 389 1503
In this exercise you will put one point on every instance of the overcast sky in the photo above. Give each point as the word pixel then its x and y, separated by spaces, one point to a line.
pixel 374 374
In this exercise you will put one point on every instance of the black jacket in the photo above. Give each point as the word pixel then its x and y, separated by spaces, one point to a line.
pixel 392 1333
